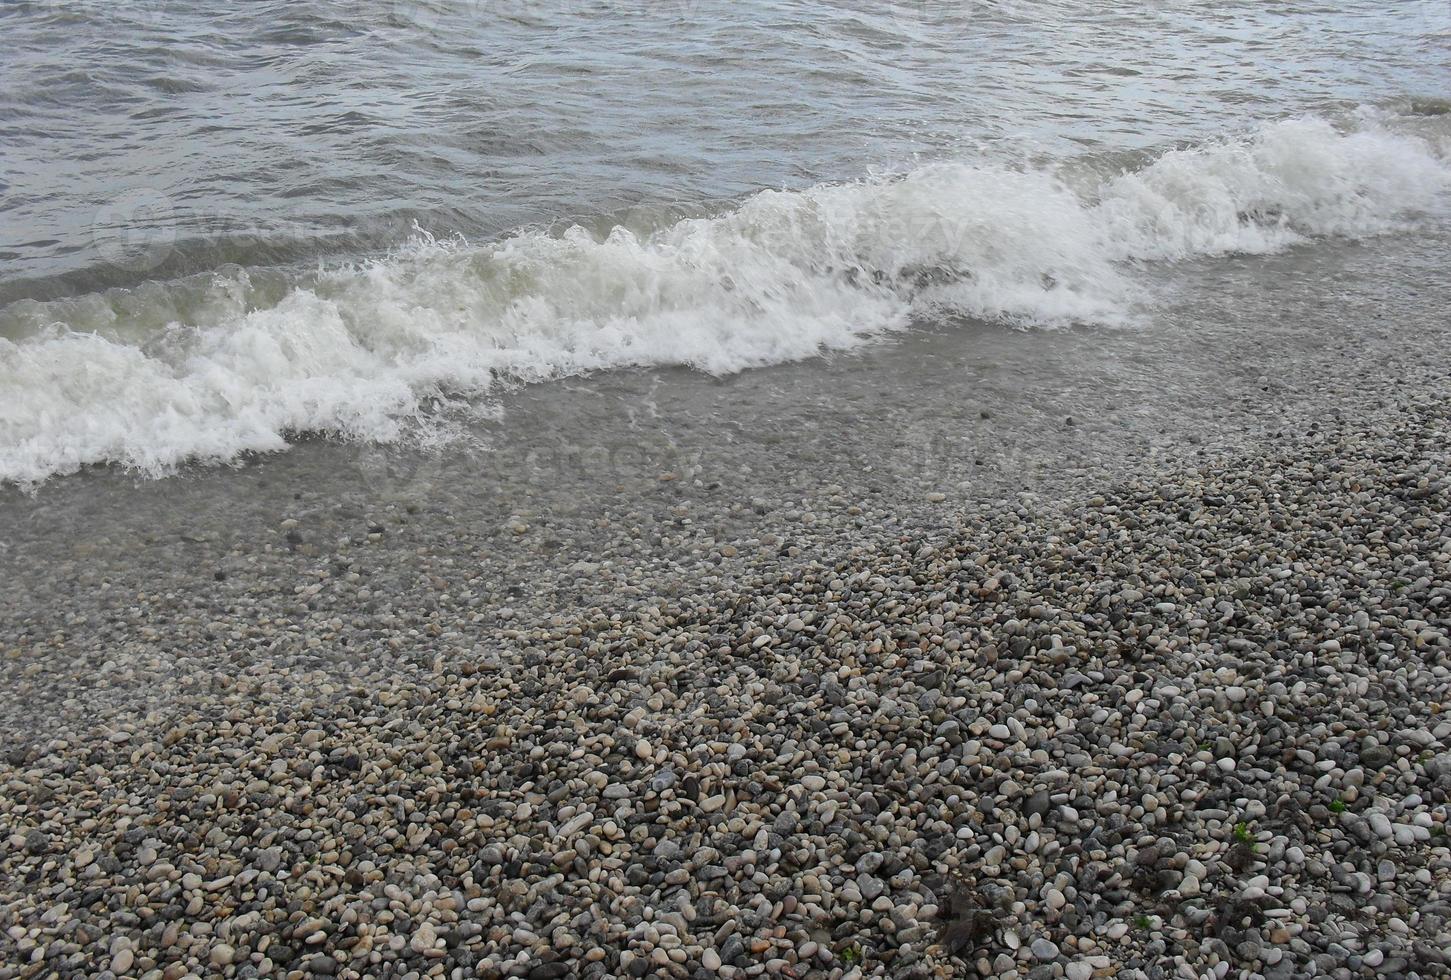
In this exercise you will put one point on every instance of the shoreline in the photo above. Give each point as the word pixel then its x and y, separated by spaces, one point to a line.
pixel 1198 720
pixel 124 597
pixel 300 716
pixel 809 491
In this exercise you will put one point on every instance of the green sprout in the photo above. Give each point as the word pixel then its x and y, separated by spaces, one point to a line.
pixel 1337 806
pixel 852 955
pixel 1243 834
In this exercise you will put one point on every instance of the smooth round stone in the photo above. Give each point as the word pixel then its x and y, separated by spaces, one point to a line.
pixel 1044 949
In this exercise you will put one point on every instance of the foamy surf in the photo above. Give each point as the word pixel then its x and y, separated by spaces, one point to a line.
pixel 150 378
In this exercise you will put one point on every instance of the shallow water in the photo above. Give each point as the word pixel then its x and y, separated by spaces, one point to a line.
pixel 276 131
pixel 1249 350
pixel 370 220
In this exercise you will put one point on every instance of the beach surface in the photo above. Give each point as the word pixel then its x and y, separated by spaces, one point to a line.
pixel 1176 702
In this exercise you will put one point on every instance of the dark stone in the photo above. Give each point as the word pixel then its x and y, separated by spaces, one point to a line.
pixel 1376 757
pixel 732 950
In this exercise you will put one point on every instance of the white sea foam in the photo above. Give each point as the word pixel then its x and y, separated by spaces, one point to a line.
pixel 364 352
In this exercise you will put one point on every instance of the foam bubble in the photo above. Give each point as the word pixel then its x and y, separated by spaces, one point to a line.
pixel 164 374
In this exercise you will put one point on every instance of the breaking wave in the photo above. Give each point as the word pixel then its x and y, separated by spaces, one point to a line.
pixel 243 361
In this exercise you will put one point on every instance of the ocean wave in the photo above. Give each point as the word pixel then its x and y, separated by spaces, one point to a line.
pixel 153 377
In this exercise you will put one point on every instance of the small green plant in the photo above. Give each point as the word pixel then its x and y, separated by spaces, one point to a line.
pixel 1337 806
pixel 852 955
pixel 1143 921
pixel 1243 834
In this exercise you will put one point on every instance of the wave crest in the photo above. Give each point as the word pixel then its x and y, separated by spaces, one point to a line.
pixel 364 351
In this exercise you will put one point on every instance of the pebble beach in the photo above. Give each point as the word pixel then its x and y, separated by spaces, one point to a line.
pixel 702 489
pixel 1192 724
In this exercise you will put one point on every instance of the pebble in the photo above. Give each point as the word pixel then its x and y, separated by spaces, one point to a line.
pixel 1092 741
pixel 1044 949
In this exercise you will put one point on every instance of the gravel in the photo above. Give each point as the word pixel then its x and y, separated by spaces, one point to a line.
pixel 1195 724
